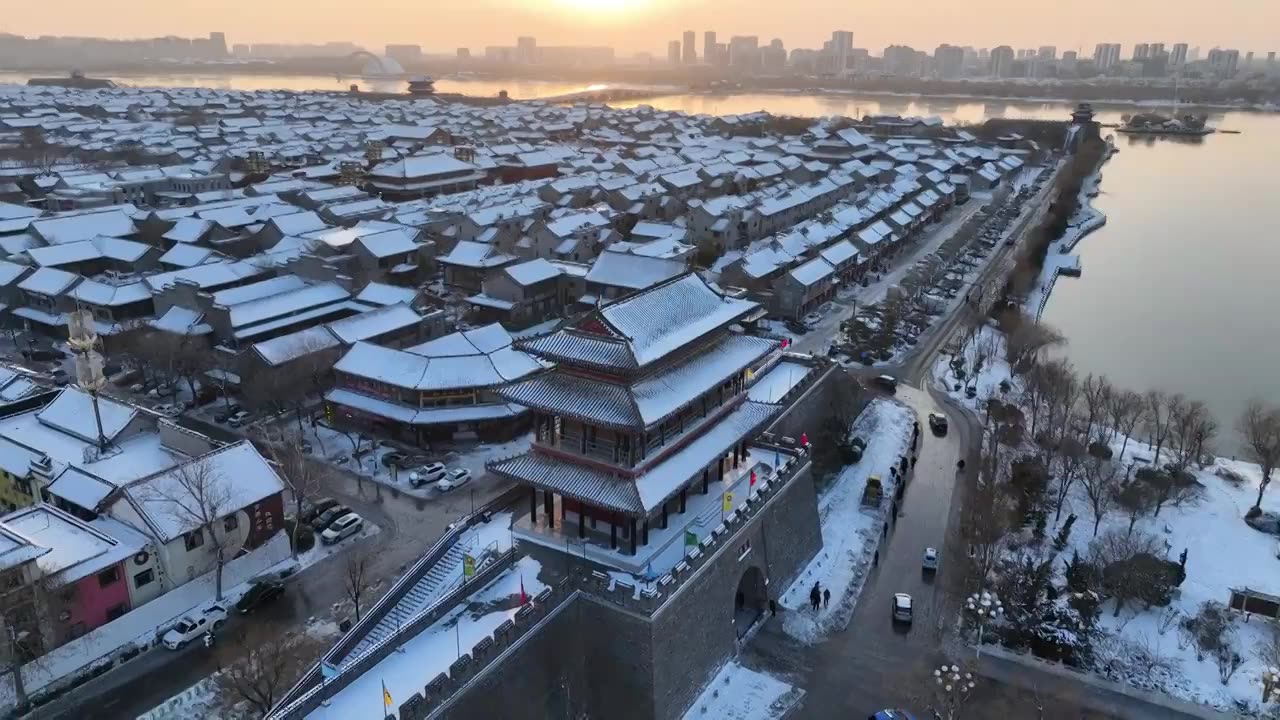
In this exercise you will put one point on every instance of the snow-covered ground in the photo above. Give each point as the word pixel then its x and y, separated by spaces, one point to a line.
pixel 988 344
pixel 320 551
pixel 432 651
pixel 1085 220
pixel 778 381
pixel 850 533
pixel 740 693
pixel 1222 553
pixel 336 448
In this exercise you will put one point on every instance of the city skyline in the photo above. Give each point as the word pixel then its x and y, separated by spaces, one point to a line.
pixel 647 26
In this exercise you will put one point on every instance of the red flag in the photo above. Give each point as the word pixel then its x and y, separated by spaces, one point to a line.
pixel 753 478
pixel 804 438
pixel 524 597
pixel 785 343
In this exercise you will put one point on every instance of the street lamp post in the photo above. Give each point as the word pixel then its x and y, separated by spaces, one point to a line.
pixel 983 606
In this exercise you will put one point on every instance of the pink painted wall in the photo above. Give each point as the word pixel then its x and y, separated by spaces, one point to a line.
pixel 92 601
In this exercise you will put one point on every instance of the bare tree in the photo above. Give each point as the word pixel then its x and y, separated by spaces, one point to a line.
pixel 1095 392
pixel 1062 392
pixel 1026 341
pixel 1259 425
pixel 1073 456
pixel 1191 428
pixel 30 608
pixel 1100 482
pixel 1157 417
pixel 256 672
pixel 196 495
pixel 303 476
pixel 1117 549
pixel 1125 410
pixel 1136 498
pixel 356 578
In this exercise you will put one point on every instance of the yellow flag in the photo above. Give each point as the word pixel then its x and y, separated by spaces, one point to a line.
pixel 728 502
pixel 386 696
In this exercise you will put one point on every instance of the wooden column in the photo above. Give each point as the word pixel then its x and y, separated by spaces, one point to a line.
pixel 684 492
pixel 582 523
pixel 633 535
pixel 533 506
pixel 549 506
pixel 664 516
pixel 644 538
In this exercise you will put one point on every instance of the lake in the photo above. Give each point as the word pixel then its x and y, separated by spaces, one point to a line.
pixel 1180 289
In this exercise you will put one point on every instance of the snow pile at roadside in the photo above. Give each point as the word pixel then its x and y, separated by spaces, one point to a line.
pixel 850 533
pixel 989 345
pixel 739 693
pixel 1222 553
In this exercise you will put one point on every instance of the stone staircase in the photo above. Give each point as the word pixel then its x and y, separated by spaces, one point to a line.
pixel 440 579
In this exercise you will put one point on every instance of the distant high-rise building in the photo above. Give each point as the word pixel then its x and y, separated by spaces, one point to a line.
pixel 1179 54
pixel 709 47
pixel 1070 56
pixel 1106 55
pixel 404 54
pixel 690 50
pixel 1224 62
pixel 526 50
pixel 464 53
pixel 841 48
pixel 1271 59
pixel 218 44
pixel 1155 49
pixel 1047 52
pixel 902 60
pixel 948 61
pixel 1248 59
pixel 673 52
pixel 1141 51
pixel 1002 61
pixel 744 50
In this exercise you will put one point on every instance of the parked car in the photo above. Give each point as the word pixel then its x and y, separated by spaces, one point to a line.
pixel 326 518
pixel 240 419
pixel 798 327
pixel 938 423
pixel 260 593
pixel 930 558
pixel 128 377
pixel 226 413
pixel 812 319
pixel 193 626
pixel 888 382
pixel 902 608
pixel 454 480
pixel 394 457
pixel 427 474
pixel 342 528
pixel 311 511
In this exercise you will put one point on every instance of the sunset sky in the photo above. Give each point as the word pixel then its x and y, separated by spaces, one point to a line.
pixel 646 25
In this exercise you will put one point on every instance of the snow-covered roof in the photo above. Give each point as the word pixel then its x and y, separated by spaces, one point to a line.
pixel 382 294
pixel 635 272
pixel 532 272
pixel 645 327
pixel 471 358
pixel 374 323
pixel 239 473
pixel 73 412
pixel 76 549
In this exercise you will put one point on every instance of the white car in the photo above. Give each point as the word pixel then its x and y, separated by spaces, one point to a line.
pixel 813 318
pixel 930 559
pixel 191 627
pixel 427 474
pixel 454 480
pixel 240 419
pixel 342 528
pixel 902 608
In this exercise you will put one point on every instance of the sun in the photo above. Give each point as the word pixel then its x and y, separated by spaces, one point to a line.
pixel 602 7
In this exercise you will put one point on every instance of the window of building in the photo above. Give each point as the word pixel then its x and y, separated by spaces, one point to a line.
pixel 194 539
pixel 744 549
pixel 230 523
pixel 109 577
pixel 144 578
pixel 117 611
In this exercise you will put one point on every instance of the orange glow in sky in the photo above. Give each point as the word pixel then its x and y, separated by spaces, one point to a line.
pixel 440 26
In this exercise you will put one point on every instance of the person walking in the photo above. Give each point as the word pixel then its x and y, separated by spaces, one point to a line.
pixel 826 598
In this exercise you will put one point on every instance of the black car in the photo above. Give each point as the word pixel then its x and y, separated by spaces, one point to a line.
pixel 225 413
pixel 327 517
pixel 259 594
pixel 311 511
